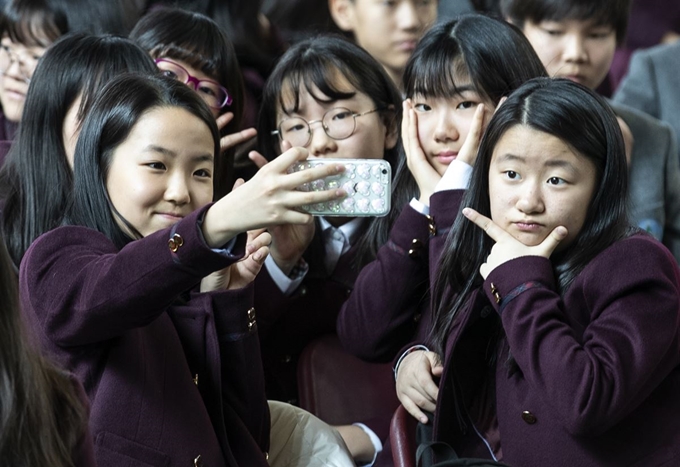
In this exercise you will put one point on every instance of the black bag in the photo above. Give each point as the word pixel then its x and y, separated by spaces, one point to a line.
pixel 446 456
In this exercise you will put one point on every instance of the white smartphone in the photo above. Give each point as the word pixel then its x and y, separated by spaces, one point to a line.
pixel 368 183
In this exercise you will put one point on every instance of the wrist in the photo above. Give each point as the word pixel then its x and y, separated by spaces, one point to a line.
pixel 410 350
pixel 213 228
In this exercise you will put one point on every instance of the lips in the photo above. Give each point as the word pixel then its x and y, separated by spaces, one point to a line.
pixel 407 45
pixel 175 217
pixel 528 226
pixel 14 94
pixel 446 157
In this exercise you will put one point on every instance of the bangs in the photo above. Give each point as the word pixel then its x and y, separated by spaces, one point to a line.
pixel 438 77
pixel 195 58
pixel 599 12
pixel 32 26
pixel 327 78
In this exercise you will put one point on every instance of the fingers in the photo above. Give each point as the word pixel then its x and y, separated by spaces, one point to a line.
pixel 409 130
pixel 416 387
pixel 500 102
pixel 257 239
pixel 224 119
pixel 238 183
pixel 259 160
pixel 260 255
pixel 551 242
pixel 298 199
pixel 468 152
pixel 412 408
pixel 288 157
pixel 229 141
pixel 490 227
pixel 301 177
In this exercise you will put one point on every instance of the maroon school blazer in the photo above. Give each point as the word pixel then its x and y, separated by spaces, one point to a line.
pixel 590 379
pixel 174 377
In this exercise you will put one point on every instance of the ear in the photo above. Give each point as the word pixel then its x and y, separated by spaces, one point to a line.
pixel 342 12
pixel 391 128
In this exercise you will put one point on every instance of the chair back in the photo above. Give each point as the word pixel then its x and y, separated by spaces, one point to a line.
pixel 341 389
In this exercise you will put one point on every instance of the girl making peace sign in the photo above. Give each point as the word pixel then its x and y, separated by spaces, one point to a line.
pixel 556 321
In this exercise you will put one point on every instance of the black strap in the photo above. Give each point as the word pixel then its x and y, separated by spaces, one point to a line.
pixel 428 452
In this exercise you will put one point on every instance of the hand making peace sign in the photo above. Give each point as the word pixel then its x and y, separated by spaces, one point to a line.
pixel 508 247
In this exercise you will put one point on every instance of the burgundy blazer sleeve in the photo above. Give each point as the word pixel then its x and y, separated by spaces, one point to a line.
pixel 444 208
pixel 389 302
pixel 378 317
pixel 598 360
pixel 83 290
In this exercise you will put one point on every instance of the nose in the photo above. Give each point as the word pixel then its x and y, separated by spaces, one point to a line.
pixel 407 16
pixel 14 69
pixel 177 190
pixel 530 200
pixel 574 48
pixel 321 145
pixel 446 129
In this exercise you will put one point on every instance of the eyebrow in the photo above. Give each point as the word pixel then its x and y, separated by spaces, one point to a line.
pixel 173 154
pixel 465 88
pixel 550 163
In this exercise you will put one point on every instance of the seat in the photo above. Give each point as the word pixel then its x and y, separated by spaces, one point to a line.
pixel 403 438
pixel 341 389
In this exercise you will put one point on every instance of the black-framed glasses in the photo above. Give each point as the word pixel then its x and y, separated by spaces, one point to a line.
pixel 26 61
pixel 212 92
pixel 338 123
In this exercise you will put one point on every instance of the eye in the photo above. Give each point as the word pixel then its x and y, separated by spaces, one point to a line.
pixel 293 127
pixel 599 34
pixel 203 173
pixel 556 181
pixel 511 174
pixel 156 165
pixel 208 91
pixel 342 115
pixel 420 107
pixel 552 32
pixel 466 105
pixel 169 74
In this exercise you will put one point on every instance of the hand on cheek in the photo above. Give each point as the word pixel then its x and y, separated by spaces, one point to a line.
pixel 425 175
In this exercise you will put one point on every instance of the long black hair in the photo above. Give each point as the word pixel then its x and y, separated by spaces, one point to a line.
pixel 197 40
pixel 318 62
pixel 118 108
pixel 495 56
pixel 41 417
pixel 584 121
pixel 37 178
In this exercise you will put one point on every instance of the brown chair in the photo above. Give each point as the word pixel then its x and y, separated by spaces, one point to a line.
pixel 341 389
pixel 403 438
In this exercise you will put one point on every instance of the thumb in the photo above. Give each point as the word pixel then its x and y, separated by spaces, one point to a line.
pixel 548 245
